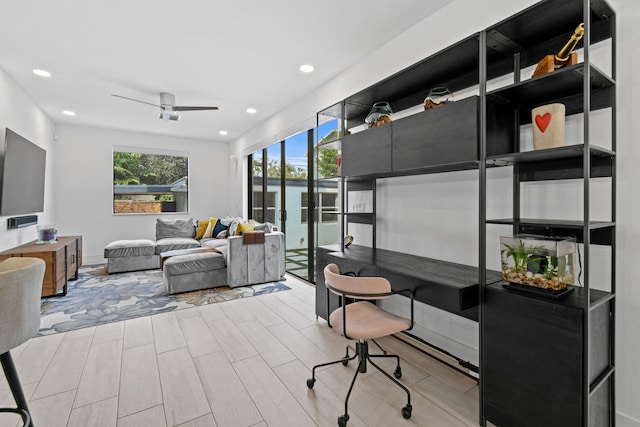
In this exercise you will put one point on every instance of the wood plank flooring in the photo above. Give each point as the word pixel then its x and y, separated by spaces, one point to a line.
pixel 241 363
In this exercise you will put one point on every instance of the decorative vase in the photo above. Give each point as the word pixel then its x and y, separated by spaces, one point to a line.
pixel 46 234
pixel 437 97
pixel 547 122
pixel 380 114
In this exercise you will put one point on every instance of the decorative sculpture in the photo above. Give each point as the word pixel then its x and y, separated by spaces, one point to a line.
pixel 564 58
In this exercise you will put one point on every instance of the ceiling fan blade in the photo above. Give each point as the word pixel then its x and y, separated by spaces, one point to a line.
pixel 183 108
pixel 136 100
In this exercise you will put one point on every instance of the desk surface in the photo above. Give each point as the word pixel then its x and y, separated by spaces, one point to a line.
pixel 450 286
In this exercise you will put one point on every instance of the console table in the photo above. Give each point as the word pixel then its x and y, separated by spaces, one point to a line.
pixel 63 259
pixel 449 286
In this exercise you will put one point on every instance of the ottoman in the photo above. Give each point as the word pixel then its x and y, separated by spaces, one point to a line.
pixel 131 255
pixel 192 272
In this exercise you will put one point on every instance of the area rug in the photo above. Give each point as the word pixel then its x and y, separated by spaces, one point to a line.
pixel 97 298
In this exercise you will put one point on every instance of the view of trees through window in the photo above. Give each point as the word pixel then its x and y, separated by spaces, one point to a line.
pixel 150 183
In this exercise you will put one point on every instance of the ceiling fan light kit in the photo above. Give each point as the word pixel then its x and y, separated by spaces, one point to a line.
pixel 168 115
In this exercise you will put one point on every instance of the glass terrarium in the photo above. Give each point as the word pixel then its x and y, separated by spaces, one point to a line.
pixel 538 261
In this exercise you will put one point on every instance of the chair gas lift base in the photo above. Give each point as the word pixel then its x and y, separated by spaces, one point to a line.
pixel 363 321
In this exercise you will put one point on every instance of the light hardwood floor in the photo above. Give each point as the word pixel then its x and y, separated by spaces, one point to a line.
pixel 238 363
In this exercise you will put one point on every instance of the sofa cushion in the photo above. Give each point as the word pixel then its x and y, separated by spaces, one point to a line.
pixel 173 243
pixel 193 263
pixel 209 231
pixel 130 248
pixel 244 227
pixel 214 243
pixel 219 228
pixel 201 228
pixel 267 227
pixel 174 228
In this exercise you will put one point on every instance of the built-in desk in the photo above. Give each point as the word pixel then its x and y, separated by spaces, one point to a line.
pixel 449 286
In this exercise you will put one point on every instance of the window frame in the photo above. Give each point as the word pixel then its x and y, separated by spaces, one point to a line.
pixel 183 201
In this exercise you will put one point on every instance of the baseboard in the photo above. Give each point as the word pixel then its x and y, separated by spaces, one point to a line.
pixel 93 259
pixel 623 420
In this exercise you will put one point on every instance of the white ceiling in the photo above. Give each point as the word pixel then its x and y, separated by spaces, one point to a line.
pixel 231 54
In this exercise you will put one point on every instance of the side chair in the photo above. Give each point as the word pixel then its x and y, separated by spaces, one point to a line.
pixel 20 288
pixel 363 321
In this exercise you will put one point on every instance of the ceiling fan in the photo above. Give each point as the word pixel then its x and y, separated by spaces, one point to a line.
pixel 168 107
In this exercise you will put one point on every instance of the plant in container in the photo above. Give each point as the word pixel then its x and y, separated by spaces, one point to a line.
pixel 538 261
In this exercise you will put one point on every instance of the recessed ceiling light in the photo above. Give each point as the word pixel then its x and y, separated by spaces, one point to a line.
pixel 223 132
pixel 306 68
pixel 251 110
pixel 41 73
pixel 68 113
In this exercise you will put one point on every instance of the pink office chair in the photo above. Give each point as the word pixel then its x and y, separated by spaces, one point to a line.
pixel 363 321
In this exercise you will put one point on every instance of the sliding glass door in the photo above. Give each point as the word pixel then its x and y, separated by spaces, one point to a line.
pixel 299 218
pixel 284 197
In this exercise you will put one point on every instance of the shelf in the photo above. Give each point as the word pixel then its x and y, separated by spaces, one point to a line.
pixel 330 179
pixel 574 299
pixel 593 225
pixel 333 144
pixel 557 163
pixel 563 85
pixel 544 28
pixel 360 217
pixel 602 232
pixel 455 67
pixel 566 152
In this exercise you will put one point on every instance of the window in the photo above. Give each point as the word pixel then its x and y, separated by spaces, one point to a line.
pixel 327 205
pixel 146 181
pixel 271 207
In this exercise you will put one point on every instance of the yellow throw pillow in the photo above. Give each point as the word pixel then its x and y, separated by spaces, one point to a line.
pixel 245 226
pixel 209 231
pixel 202 227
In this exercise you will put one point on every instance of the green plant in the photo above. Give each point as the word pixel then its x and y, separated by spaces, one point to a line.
pixel 522 256
pixel 551 270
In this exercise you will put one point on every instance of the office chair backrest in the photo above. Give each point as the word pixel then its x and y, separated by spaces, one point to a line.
pixel 354 286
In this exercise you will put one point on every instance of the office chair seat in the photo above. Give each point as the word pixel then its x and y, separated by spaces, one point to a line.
pixel 367 321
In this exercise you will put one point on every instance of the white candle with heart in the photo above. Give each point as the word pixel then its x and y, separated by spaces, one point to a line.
pixel 547 122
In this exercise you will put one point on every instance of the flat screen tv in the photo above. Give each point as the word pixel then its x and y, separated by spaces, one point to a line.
pixel 22 176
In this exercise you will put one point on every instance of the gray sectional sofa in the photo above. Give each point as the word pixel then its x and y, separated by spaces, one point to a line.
pixel 238 261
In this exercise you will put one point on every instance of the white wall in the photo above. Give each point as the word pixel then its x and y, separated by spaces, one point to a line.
pixel 84 180
pixel 20 114
pixel 451 199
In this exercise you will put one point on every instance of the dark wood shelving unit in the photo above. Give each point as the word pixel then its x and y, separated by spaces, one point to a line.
pixel 576 332
pixel 569 341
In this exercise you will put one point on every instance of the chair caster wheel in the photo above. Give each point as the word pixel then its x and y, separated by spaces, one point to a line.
pixel 406 412
pixel 342 420
pixel 397 373
pixel 311 382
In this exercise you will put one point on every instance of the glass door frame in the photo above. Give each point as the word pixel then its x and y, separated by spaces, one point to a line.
pixel 282 209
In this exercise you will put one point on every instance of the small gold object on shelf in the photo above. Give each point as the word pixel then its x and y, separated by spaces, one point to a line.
pixel 564 58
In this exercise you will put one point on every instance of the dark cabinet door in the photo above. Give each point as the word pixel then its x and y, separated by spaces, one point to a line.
pixel 367 152
pixel 439 136
pixel 532 361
